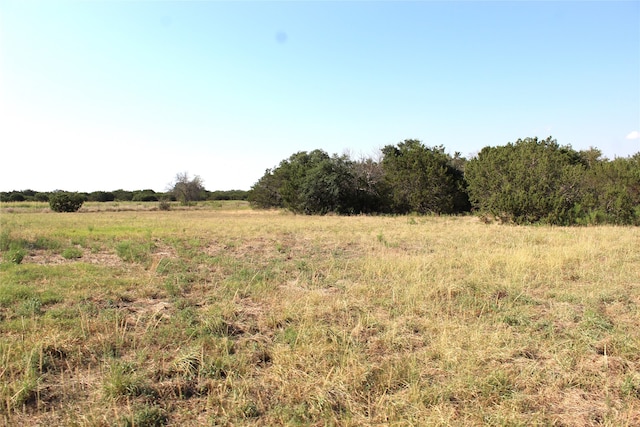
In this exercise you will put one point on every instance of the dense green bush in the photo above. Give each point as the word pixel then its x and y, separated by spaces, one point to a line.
pixel 538 181
pixel 65 202
pixel 309 182
pixel 526 182
pixel 423 179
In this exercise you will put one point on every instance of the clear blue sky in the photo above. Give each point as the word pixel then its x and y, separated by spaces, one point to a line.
pixel 103 95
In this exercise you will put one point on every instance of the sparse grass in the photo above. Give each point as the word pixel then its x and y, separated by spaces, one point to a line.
pixel 236 317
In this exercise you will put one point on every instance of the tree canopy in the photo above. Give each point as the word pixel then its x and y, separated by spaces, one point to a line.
pixel 422 179
pixel 525 182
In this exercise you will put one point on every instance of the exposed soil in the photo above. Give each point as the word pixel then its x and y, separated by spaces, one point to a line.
pixel 44 257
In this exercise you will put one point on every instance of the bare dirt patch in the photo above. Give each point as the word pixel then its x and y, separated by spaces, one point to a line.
pixel 43 257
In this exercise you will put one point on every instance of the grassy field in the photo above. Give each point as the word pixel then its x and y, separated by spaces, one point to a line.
pixel 220 315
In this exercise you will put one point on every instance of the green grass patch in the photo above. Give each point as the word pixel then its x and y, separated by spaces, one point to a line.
pixel 138 252
pixel 72 253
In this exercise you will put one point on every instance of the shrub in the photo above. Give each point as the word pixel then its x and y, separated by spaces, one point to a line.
pixel 164 205
pixel 65 202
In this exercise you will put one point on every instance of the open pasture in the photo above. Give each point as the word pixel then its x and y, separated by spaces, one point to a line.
pixel 242 317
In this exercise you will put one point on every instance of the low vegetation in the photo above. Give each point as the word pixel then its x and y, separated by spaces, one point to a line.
pixel 223 316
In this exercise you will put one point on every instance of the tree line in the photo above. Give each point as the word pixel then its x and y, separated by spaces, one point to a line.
pixel 527 182
pixel 531 181
pixel 123 195
pixel 184 189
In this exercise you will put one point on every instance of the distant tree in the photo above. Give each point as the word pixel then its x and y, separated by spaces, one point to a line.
pixel 122 195
pixel 227 195
pixel 61 201
pixel 185 189
pixel 101 196
pixel 16 197
pixel 41 197
pixel 422 179
pixel 144 196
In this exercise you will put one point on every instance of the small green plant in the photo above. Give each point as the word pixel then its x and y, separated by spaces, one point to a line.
pixel 164 205
pixel 147 416
pixel 15 255
pixel 65 202
pixel 250 410
pixel 26 390
pixel 385 242
pixel 72 253
pixel 631 386
pixel 30 307
pixel 122 381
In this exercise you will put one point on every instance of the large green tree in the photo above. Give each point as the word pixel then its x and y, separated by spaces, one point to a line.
pixel 422 179
pixel 308 182
pixel 611 190
pixel 528 181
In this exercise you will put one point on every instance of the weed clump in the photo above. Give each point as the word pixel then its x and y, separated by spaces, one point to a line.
pixel 15 256
pixel 147 416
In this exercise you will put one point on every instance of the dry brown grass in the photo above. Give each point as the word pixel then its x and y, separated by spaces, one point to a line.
pixel 264 318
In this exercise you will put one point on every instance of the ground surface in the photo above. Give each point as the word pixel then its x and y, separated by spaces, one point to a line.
pixel 228 316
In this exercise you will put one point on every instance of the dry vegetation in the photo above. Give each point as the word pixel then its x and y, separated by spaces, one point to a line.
pixel 205 317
